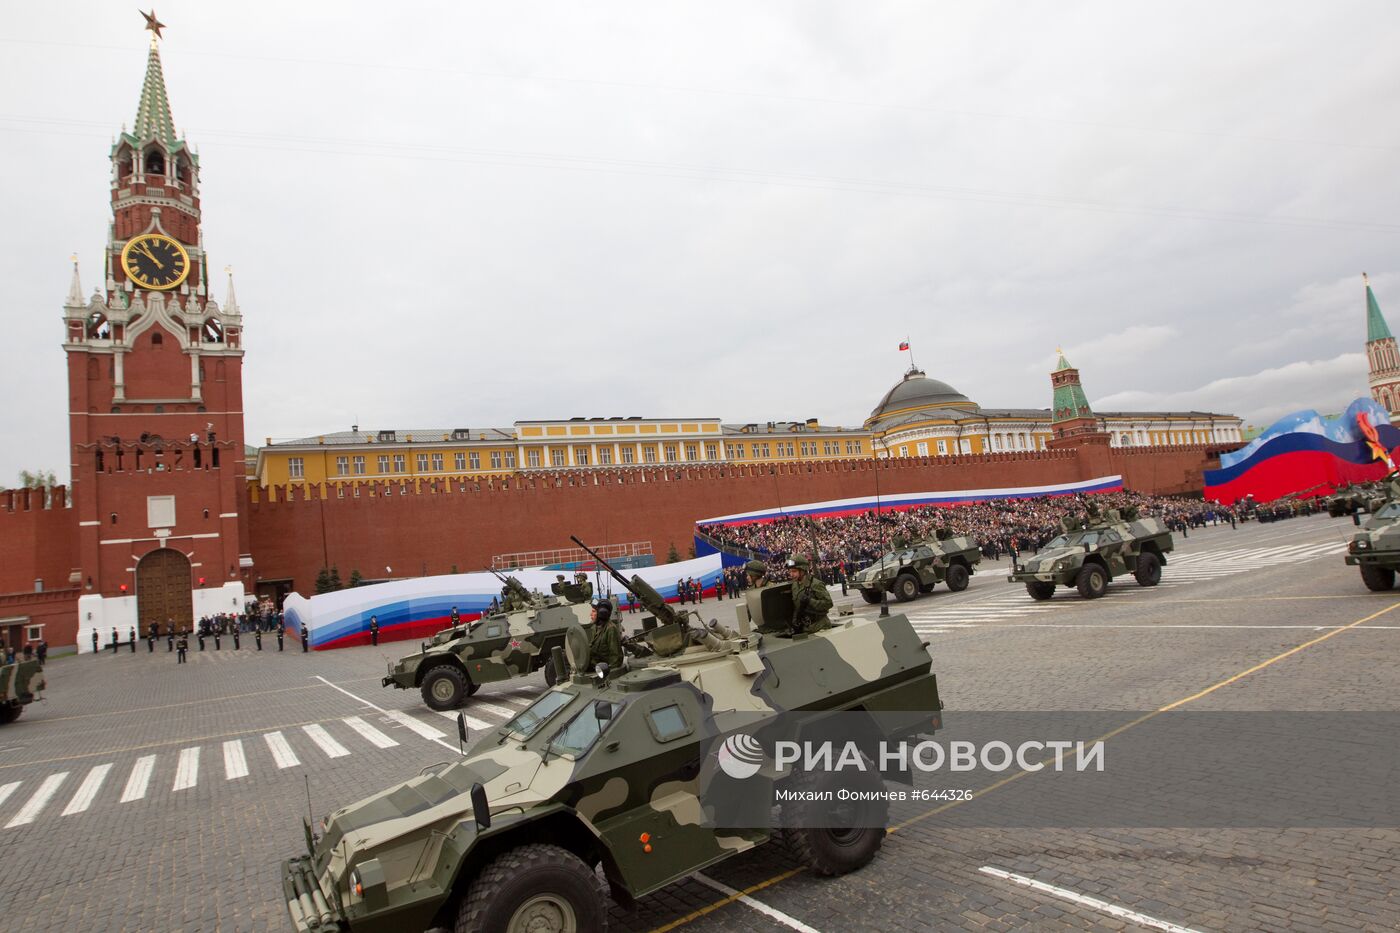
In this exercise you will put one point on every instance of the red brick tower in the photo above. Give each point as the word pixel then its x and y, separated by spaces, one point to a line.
pixel 155 384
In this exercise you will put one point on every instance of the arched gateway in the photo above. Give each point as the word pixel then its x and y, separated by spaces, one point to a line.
pixel 163 590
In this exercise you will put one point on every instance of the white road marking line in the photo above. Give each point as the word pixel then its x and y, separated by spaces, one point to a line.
pixel 282 753
pixel 772 913
pixel 87 791
pixel 495 710
pixel 35 804
pixel 1113 910
pixel 235 762
pixel 403 719
pixel 369 733
pixel 186 769
pixel 472 722
pixel 139 778
pixel 8 789
pixel 322 738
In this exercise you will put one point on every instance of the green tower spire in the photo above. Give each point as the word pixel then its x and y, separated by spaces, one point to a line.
pixel 1069 402
pixel 1376 328
pixel 153 113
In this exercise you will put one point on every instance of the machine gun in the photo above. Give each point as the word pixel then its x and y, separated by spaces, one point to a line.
pixel 513 587
pixel 670 635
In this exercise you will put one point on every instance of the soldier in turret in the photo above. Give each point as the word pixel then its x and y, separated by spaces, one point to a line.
pixel 810 600
pixel 757 573
pixel 606 647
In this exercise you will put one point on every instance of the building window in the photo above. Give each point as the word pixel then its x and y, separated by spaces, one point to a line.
pixel 692 451
pixel 459 461
pixel 437 463
pixel 422 463
pixel 384 463
pixel 735 451
pixel 904 451
pixel 649 454
pixel 711 451
pixel 34 633
pixel 342 466
pixel 627 454
pixel 359 464
pixel 605 456
pixel 510 459
pixel 853 447
pixel 398 463
pixel 532 457
pixel 766 454
pixel 942 447
pixel 789 450
pixel 296 467
pixel 670 453
pixel 558 457
pixel 580 456
pixel 997 442
pixel 495 459
pixel 475 460
pixel 923 448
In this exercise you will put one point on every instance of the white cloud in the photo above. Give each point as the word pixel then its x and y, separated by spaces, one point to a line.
pixel 1261 398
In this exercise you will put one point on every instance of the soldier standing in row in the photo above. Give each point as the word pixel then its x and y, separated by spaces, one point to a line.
pixel 455 618
pixel 810 600
pixel 200 635
pixel 115 642
pixel 606 647
pixel 257 637
pixel 133 639
pixel 184 646
pixel 281 633
pixel 94 641
pixel 217 646
pixel 151 639
pixel 236 645
pixel 374 628
pixel 169 635
pixel 305 639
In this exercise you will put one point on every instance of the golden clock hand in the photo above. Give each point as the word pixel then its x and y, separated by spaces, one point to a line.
pixel 150 255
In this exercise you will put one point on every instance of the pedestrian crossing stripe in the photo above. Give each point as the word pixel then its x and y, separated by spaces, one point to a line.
pixel 187 771
pixel 88 790
pixel 282 753
pixel 369 733
pixel 35 805
pixel 322 738
pixel 235 763
pixel 139 778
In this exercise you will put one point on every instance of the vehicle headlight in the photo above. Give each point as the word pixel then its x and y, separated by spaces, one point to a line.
pixel 1061 564
pixel 1360 544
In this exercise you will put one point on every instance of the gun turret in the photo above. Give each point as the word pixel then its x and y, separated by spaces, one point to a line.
pixel 513 590
pixel 651 600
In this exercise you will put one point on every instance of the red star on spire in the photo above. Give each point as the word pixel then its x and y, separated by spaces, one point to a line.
pixel 153 24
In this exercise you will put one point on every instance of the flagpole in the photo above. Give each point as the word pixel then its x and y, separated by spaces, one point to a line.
pixel 910 347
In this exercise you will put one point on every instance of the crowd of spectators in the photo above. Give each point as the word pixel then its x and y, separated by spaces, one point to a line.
pixel 842 545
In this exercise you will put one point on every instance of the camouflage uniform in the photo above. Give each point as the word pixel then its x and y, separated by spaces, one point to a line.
pixel 606 647
pixel 810 601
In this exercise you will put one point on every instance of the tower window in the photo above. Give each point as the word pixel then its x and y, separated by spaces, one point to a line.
pixel 155 162
pixel 157 340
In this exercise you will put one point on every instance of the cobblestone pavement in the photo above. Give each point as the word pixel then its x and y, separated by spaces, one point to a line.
pixel 146 795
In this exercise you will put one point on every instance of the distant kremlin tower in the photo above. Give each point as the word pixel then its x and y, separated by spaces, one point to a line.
pixel 1381 356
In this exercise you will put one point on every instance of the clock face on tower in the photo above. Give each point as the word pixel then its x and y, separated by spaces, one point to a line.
pixel 155 261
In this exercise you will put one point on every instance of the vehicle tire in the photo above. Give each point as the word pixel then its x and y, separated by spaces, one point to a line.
pixel 1377 578
pixel 1092 581
pixel 906 587
pixel 1040 590
pixel 550 677
pixel 1149 569
pixel 957 577
pixel 871 596
pixel 534 886
pixel 9 714
pixel 445 687
pixel 840 849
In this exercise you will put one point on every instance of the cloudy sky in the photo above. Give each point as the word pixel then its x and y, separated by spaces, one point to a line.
pixel 468 214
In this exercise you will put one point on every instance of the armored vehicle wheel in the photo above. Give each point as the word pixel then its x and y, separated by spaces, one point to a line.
pixel 1092 581
pixel 1040 590
pixel 957 577
pixel 9 714
pixel 535 887
pixel 843 848
pixel 906 587
pixel 871 596
pixel 444 687
pixel 551 677
pixel 1376 578
pixel 1149 569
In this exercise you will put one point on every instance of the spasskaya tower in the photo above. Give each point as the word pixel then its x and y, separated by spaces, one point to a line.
pixel 155 384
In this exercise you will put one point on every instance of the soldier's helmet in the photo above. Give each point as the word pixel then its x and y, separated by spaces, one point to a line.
pixel 603 608
pixel 799 561
pixel 756 567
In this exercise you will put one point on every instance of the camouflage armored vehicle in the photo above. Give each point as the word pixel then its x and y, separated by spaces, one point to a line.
pixel 1349 500
pixel 1095 550
pixel 608 770
pixel 1375 548
pixel 917 568
pixel 500 645
pixel 20 683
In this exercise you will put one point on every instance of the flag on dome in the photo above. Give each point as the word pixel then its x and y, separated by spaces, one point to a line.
pixel 904 345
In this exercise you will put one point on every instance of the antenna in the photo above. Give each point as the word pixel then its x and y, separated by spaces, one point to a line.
pixel 310 814
pixel 879 520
